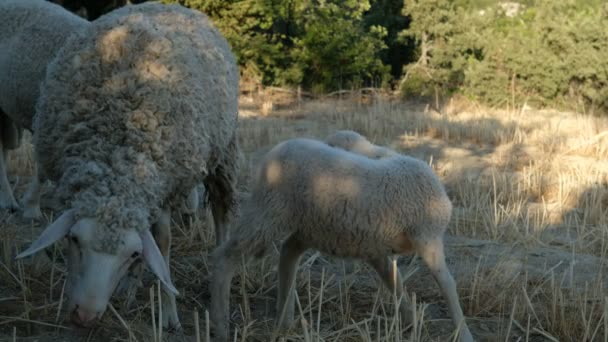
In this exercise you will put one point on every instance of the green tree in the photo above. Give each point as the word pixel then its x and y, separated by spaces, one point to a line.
pixel 248 27
pixel 398 52
pixel 551 54
pixel 441 32
pixel 334 49
pixel 322 44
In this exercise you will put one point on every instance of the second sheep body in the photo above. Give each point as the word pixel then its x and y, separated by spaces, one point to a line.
pixel 31 34
pixel 310 195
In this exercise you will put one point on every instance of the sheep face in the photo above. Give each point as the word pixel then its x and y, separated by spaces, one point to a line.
pixel 95 270
pixel 94 274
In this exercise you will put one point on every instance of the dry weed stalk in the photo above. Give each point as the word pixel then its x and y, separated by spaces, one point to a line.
pixel 525 180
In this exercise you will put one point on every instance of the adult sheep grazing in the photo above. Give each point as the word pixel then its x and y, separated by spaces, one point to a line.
pixel 31 34
pixel 310 195
pixel 134 112
pixel 354 142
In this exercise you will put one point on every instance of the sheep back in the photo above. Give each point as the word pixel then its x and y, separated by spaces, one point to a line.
pixel 31 33
pixel 354 142
pixel 343 203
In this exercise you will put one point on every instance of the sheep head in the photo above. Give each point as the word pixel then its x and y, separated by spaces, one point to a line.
pixel 94 273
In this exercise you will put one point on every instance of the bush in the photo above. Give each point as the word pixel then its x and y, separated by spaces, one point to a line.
pixel 542 52
pixel 323 45
pixel 552 53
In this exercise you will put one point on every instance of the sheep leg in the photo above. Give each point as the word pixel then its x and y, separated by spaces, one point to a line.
pixel 31 199
pixel 221 186
pixel 193 202
pixel 7 200
pixel 219 207
pixel 162 234
pixel 225 261
pixel 432 252
pixel 291 251
pixel 129 284
pixel 135 281
pixel 384 269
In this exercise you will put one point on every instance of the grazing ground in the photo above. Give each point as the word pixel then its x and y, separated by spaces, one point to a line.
pixel 527 243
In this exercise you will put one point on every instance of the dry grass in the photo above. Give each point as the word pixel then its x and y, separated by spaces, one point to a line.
pixel 527 246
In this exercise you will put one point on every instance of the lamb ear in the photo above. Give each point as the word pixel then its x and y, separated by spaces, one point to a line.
pixel 156 262
pixel 51 234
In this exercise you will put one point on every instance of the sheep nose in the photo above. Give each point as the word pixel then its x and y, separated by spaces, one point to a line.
pixel 83 317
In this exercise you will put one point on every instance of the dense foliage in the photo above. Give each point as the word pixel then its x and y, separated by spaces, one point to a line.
pixel 323 45
pixel 551 52
pixel 542 52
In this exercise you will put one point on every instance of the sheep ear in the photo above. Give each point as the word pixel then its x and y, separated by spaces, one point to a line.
pixel 155 261
pixel 56 231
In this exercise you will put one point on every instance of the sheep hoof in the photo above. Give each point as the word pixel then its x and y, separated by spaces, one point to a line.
pixel 407 317
pixel 8 202
pixel 285 325
pixel 32 213
pixel 176 328
pixel 171 322
pixel 218 334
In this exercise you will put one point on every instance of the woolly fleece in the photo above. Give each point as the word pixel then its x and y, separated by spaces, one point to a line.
pixel 340 203
pixel 134 112
pixel 31 34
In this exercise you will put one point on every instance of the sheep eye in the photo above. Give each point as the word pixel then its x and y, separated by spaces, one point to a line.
pixel 135 255
pixel 74 239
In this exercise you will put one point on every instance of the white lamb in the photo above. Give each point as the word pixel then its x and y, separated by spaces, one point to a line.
pixel 31 34
pixel 134 112
pixel 310 195
pixel 354 142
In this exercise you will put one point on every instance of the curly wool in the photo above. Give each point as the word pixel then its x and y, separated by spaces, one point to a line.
pixel 134 111
pixel 31 34
pixel 341 203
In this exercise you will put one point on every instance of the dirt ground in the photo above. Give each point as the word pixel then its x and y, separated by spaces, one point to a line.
pixel 527 243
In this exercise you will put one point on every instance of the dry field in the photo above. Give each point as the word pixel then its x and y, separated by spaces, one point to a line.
pixel 527 243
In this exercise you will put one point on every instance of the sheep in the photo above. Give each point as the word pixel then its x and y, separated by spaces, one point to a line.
pixel 134 111
pixel 311 195
pixel 354 142
pixel 31 34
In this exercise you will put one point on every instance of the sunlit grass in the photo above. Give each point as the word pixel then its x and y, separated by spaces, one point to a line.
pixel 528 237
